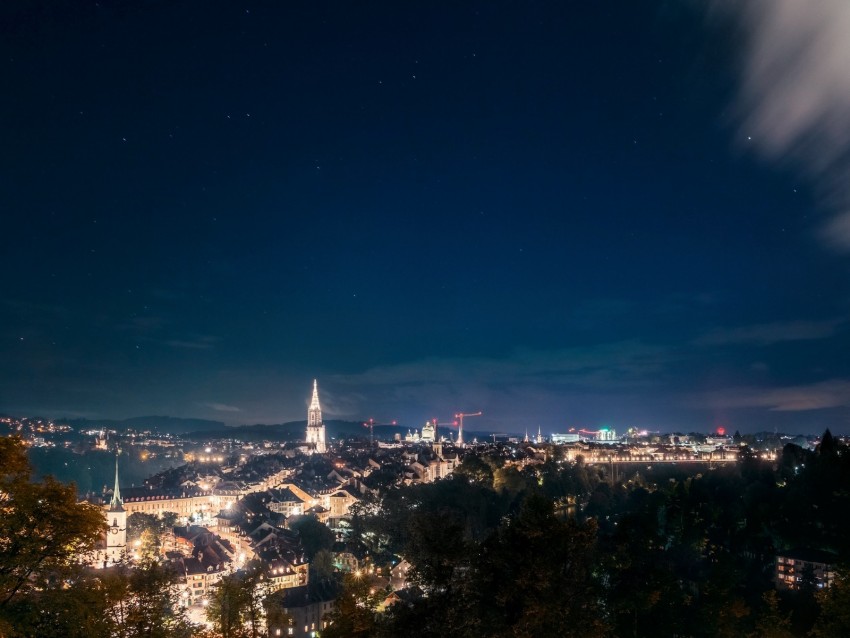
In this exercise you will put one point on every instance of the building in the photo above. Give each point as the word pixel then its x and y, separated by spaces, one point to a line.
pixel 305 610
pixel 339 501
pixel 206 558
pixel 429 433
pixel 286 502
pixel 606 435
pixel 283 554
pixel 561 439
pixel 315 426
pixel 427 467
pixel 202 505
pixel 116 519
pixel 796 568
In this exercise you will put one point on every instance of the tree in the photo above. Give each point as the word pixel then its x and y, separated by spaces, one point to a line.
pixel 475 470
pixel 834 617
pixel 512 480
pixel 140 522
pixel 42 526
pixel 111 603
pixel 79 610
pixel 527 571
pixel 236 604
pixel 771 622
pixel 315 535
pixel 322 565
pixel 354 615
pixel 151 603
pixel 150 530
pixel 828 445
pixel 436 548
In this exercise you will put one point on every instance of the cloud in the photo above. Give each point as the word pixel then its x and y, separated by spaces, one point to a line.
pixel 222 407
pixel 199 343
pixel 793 106
pixel 603 365
pixel 832 393
pixel 768 333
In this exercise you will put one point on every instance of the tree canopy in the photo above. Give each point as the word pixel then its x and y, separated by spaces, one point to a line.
pixel 42 526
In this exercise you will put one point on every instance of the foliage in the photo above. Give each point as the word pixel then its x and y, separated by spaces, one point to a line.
pixel 118 602
pixel 675 550
pixel 315 536
pixel 322 566
pixel 475 470
pixel 772 623
pixel 150 530
pixel 534 577
pixel 149 608
pixel 834 618
pixel 236 604
pixel 42 526
pixel 355 613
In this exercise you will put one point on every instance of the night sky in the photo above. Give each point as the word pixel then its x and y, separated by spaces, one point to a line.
pixel 559 213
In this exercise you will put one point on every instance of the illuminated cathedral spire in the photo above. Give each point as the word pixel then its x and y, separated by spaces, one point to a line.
pixel 314 412
pixel 315 426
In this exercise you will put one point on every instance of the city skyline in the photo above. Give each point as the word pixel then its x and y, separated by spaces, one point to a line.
pixel 557 215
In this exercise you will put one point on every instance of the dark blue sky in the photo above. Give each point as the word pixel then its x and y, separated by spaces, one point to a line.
pixel 548 211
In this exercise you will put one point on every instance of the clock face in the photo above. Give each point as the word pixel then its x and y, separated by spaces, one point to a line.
pixel 114 530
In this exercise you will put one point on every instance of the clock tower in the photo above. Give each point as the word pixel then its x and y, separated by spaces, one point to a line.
pixel 116 519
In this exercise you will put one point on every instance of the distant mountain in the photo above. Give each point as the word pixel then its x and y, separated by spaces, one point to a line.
pixel 162 424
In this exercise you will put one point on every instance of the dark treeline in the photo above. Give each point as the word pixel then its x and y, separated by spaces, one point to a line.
pixel 559 549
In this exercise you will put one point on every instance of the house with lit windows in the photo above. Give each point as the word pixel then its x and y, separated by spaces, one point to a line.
pixel 305 608
pixel 797 568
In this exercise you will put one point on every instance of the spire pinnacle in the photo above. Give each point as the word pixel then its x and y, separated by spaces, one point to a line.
pixel 314 413
pixel 117 502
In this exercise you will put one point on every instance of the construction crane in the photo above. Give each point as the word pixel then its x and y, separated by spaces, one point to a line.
pixel 371 425
pixel 459 416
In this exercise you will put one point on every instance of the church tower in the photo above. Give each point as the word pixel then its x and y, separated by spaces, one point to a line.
pixel 116 519
pixel 315 426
